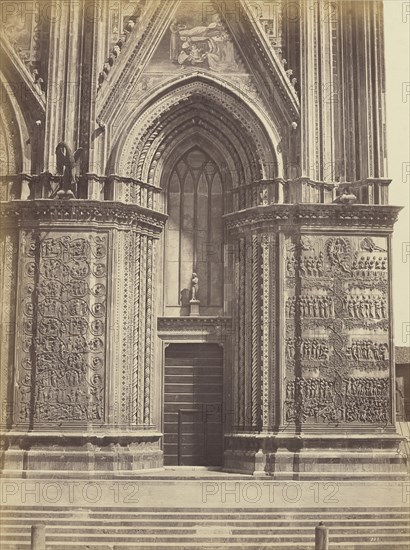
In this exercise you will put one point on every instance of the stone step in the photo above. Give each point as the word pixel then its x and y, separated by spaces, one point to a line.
pixel 207 530
pixel 117 528
pixel 197 539
pixel 195 543
pixel 202 534
pixel 152 516
pixel 296 545
pixel 259 524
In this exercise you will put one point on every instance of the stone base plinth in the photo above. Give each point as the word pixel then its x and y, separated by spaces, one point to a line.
pixel 77 455
pixel 194 308
pixel 344 456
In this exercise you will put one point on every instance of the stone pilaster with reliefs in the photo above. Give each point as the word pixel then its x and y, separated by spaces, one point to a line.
pixel 268 335
pixel 241 333
pixel 324 365
pixel 253 332
pixel 75 375
pixel 61 365
pixel 142 328
pixel 136 320
pixel 337 305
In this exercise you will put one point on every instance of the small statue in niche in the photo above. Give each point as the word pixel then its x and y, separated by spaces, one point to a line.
pixel 194 287
pixel 69 167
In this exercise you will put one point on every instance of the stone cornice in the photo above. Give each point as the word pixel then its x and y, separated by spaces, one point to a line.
pixel 319 215
pixel 205 328
pixel 187 321
pixel 82 211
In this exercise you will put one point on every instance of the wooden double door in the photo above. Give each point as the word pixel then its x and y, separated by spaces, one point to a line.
pixel 193 405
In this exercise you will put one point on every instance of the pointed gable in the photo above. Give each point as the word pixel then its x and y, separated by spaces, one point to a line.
pixel 180 37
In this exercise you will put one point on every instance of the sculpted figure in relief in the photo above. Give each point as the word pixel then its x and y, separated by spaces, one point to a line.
pixel 68 166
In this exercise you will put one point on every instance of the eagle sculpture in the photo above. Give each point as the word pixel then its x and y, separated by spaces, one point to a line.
pixel 69 168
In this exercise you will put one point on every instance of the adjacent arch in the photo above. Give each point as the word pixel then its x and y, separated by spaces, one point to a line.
pixel 15 146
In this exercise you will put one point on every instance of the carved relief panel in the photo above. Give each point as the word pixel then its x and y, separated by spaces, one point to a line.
pixel 61 362
pixel 336 307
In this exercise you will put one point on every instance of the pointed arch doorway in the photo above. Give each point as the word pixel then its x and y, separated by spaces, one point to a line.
pixel 193 372
pixel 211 156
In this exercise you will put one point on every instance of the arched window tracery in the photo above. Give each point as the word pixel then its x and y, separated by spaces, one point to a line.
pixel 194 234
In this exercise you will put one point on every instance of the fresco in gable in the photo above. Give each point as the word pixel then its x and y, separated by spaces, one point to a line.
pixel 196 39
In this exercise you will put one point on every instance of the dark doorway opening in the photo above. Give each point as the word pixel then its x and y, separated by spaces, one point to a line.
pixel 193 393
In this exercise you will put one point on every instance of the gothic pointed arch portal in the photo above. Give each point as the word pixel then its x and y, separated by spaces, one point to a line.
pixel 203 152
pixel 193 106
pixel 203 117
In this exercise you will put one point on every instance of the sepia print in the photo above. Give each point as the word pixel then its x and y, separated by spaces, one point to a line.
pixel 199 343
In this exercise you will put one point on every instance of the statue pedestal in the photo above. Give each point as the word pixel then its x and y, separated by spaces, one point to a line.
pixel 194 308
pixel 65 195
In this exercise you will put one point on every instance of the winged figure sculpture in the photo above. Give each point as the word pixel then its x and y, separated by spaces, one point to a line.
pixel 69 168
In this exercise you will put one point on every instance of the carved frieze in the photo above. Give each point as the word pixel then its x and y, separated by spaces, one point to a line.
pixel 61 369
pixel 312 349
pixel 318 307
pixel 369 265
pixel 368 350
pixel 337 329
pixel 319 400
pixel 311 266
pixel 366 306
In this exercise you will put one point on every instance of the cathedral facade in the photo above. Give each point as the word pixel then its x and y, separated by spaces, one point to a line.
pixel 196 238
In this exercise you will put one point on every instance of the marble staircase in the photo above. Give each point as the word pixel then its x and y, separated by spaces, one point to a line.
pixel 200 508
